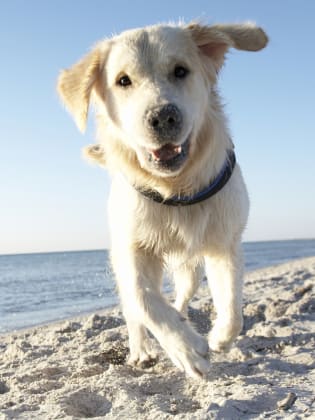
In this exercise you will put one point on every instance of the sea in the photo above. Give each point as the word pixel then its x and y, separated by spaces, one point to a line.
pixel 41 288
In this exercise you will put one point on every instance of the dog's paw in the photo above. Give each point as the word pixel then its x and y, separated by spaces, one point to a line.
pixel 144 361
pixel 188 354
pixel 143 357
pixel 191 362
pixel 222 335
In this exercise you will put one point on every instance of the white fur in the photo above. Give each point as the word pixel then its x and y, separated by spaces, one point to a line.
pixel 146 235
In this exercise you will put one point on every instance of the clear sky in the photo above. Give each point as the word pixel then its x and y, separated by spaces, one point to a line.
pixel 51 199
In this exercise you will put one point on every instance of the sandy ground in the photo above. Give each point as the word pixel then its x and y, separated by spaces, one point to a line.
pixel 76 369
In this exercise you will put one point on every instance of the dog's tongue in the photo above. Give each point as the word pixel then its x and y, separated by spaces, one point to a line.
pixel 167 152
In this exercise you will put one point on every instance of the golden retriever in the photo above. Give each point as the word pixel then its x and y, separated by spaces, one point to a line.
pixel 178 198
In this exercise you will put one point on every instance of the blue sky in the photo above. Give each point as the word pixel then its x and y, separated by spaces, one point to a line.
pixel 53 200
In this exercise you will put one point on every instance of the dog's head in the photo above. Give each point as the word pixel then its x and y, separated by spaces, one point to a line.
pixel 153 85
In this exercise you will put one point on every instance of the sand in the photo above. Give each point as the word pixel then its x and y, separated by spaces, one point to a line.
pixel 76 368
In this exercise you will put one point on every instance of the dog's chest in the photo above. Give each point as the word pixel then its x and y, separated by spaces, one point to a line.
pixel 167 229
pixel 136 221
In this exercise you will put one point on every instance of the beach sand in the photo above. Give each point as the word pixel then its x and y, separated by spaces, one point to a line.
pixel 76 368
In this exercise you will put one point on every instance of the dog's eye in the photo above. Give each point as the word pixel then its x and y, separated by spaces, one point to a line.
pixel 124 81
pixel 180 72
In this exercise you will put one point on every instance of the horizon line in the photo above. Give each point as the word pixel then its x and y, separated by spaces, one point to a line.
pixel 107 249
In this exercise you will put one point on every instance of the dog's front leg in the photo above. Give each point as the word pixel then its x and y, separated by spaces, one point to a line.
pixel 138 277
pixel 225 278
pixel 131 285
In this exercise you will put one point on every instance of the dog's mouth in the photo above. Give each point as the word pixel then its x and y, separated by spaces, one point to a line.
pixel 170 156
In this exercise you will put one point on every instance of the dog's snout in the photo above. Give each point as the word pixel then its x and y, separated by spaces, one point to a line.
pixel 165 121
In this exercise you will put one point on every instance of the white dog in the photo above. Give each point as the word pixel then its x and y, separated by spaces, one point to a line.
pixel 178 197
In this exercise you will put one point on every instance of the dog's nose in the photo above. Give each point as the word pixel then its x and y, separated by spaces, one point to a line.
pixel 165 121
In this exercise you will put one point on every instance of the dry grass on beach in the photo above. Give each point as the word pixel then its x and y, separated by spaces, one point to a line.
pixel 76 369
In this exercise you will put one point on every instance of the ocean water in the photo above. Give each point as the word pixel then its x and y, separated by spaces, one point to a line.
pixel 40 288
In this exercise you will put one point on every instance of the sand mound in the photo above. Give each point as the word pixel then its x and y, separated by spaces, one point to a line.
pixel 76 369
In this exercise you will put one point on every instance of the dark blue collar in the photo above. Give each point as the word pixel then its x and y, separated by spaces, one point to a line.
pixel 215 185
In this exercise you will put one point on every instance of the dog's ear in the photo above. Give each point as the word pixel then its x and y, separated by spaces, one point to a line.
pixel 95 153
pixel 75 86
pixel 215 40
